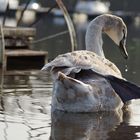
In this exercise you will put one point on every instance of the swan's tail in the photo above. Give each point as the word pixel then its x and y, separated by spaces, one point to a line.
pixel 126 90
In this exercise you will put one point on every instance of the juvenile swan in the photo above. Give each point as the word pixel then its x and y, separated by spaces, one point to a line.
pixel 80 83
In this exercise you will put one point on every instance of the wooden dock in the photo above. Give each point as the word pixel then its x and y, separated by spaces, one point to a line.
pixel 17 54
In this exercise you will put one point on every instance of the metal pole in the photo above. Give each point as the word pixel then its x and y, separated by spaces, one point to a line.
pixel 69 24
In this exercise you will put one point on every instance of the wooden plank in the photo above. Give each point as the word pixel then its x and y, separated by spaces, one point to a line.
pixel 19 32
pixel 24 52
pixel 15 43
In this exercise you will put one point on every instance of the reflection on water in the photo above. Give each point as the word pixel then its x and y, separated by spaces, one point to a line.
pixel 99 126
pixel 84 126
pixel 25 107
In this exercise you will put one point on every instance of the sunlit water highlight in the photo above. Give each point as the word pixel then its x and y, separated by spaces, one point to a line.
pixel 25 108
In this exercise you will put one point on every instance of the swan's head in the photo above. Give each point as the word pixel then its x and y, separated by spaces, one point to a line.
pixel 116 29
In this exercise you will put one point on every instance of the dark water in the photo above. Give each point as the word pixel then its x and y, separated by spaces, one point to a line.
pixel 25 98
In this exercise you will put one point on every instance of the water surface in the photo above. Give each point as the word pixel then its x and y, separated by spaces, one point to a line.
pixel 25 107
pixel 25 104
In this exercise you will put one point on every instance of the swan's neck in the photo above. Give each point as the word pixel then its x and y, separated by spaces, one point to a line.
pixel 93 38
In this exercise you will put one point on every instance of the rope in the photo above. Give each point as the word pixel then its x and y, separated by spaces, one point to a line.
pixel 50 9
pixel 49 37
pixel 23 12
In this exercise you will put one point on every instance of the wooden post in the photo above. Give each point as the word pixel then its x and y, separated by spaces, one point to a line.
pixel 1 53
pixel 2 57
pixel 69 24
pixel 2 46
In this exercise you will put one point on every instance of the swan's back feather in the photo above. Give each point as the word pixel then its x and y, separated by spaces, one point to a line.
pixel 83 60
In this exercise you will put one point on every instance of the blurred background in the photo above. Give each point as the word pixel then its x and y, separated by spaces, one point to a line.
pixel 52 32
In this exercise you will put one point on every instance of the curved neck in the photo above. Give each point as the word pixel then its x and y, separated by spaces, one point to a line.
pixel 93 38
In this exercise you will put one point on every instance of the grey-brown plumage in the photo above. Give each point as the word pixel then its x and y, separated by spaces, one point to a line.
pixel 77 60
pixel 74 93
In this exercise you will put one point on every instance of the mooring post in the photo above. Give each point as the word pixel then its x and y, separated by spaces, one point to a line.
pixel 2 58
pixel 2 55
pixel 69 24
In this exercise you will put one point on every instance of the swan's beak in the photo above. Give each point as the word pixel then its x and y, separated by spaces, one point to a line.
pixel 123 49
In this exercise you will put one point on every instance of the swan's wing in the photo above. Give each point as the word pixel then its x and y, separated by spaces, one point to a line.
pixel 125 89
pixel 83 60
